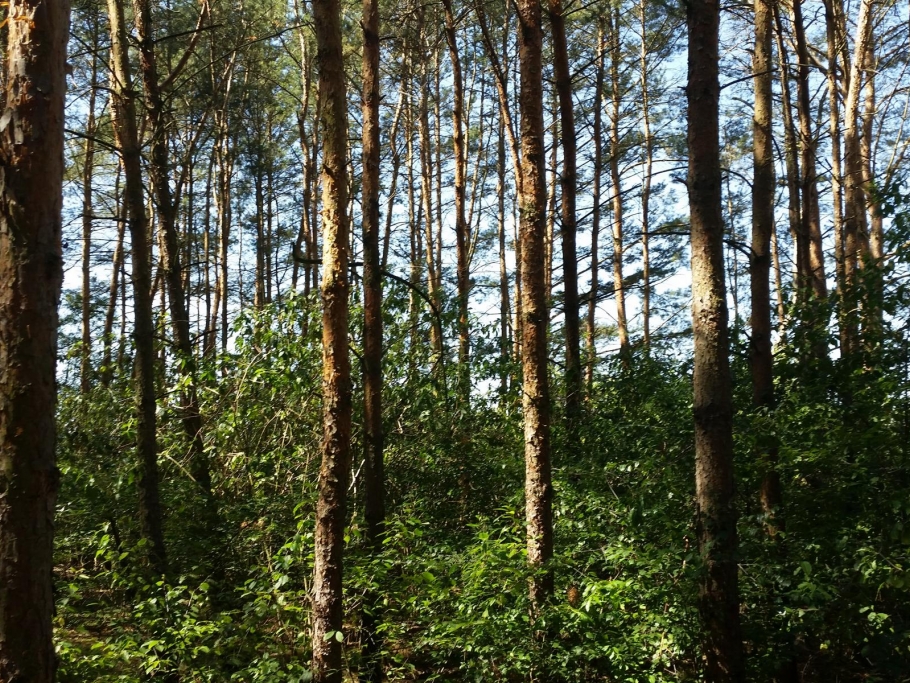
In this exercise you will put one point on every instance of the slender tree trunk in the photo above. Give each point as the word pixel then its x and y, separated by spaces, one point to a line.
pixel 536 394
pixel 374 477
pixel 504 307
pixel 616 180
pixel 107 369
pixel 810 221
pixel 88 167
pixel 127 136
pixel 396 171
pixel 426 174
pixel 568 181
pixel 597 141
pixel 790 152
pixel 763 190
pixel 646 184
pixel 173 271
pixel 713 410
pixel 462 228
pixel 31 273
pixel 336 374
pixel 855 236
pixel 551 202
pixel 835 131
pixel 873 320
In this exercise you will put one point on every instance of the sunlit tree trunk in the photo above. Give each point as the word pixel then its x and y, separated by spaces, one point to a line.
pixel 856 239
pixel 88 168
pixel 615 179
pixel 336 367
pixel 532 217
pixel 713 410
pixel 31 273
pixel 462 229
pixel 810 222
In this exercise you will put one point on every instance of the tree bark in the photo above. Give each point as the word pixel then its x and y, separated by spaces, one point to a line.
pixel 616 180
pixel 597 141
pixel 810 223
pixel 462 228
pixel 373 469
pixel 712 407
pixel 171 262
pixel 568 228
pixel 88 168
pixel 127 136
pixel 532 226
pixel 31 273
pixel 646 185
pixel 336 374
pixel 790 151
pixel 855 233
pixel 763 191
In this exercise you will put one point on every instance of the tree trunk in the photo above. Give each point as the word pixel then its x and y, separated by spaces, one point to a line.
pixel 462 229
pixel 31 273
pixel 336 373
pixel 127 136
pixel 790 151
pixel 646 186
pixel 568 181
pixel 88 167
pixel 712 407
pixel 373 470
pixel 618 288
pixel 536 394
pixel 810 223
pixel 763 190
pixel 107 369
pixel 855 236
pixel 173 271
pixel 597 140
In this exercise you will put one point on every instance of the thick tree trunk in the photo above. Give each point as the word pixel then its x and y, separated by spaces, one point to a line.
pixel 373 470
pixel 616 181
pixel 568 229
pixel 713 410
pixel 336 373
pixel 536 394
pixel 31 273
pixel 124 110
